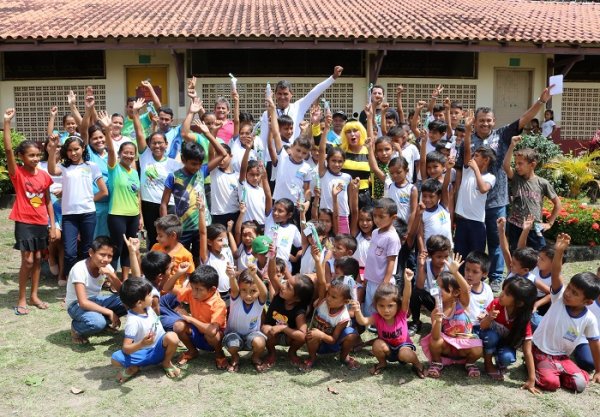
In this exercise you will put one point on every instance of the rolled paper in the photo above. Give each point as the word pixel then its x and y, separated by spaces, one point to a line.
pixel 315 236
pixel 268 90
pixel 233 82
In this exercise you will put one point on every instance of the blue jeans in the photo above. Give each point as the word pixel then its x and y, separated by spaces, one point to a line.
pixel 583 357
pixel 470 236
pixel 493 242
pixel 73 225
pixel 86 322
pixel 491 345
pixel 534 240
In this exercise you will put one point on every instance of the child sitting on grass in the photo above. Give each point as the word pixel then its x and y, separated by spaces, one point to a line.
pixel 567 321
pixel 145 342
pixel 203 327
pixel 393 342
pixel 92 312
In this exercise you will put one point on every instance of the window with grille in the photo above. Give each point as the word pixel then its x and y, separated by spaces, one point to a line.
pixel 252 95
pixel 413 92
pixel 580 113
pixel 33 104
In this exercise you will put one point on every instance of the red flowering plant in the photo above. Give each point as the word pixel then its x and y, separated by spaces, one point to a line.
pixel 578 219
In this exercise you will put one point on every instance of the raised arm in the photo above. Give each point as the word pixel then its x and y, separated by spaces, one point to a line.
pixel 563 241
pixel 467 142
pixel 384 108
pixel 236 112
pixel 244 165
pixel 323 146
pixel 186 126
pixel 262 289
pixel 104 120
pixel 353 197
pixel 133 247
pixel 508 157
pixel 321 282
pixel 148 85
pixel 370 143
pixel 51 119
pixel 446 183
pixel 230 238
pixel 274 127
pixel 407 291
pixel 434 96
pixel 465 288
pixel 305 102
pixel 11 164
pixel 140 136
pixel 527 226
pixel 399 91
pixel 415 119
pixel 501 222
pixel 535 108
pixel 72 100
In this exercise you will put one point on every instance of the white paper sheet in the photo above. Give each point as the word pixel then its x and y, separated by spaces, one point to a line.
pixel 557 81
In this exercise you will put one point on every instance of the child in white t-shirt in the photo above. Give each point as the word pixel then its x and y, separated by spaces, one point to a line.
pixel 254 190
pixel 435 219
pixel 476 269
pixel 566 322
pixel 145 341
pixel 283 233
pixel 224 205
pixel 92 312
pixel 472 195
pixel 549 126
pixel 248 297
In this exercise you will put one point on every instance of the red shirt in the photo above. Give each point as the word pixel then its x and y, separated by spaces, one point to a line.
pixel 30 200
pixel 502 324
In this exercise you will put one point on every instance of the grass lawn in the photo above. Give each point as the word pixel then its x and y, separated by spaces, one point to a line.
pixel 39 367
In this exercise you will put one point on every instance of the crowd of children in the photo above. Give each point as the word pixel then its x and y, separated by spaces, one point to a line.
pixel 305 234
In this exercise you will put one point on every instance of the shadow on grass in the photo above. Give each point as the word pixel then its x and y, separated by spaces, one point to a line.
pixel 63 339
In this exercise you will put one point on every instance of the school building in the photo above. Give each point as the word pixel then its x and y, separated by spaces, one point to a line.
pixel 484 52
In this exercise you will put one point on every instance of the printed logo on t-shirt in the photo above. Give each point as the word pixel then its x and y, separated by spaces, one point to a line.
pixel 34 194
pixel 379 251
pixel 442 217
pixel 253 323
pixel 395 334
pixel 572 334
pixel 280 318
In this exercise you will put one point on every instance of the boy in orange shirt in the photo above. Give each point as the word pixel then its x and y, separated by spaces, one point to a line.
pixel 168 230
pixel 203 327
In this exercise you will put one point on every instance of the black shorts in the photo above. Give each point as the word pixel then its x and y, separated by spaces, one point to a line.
pixel 30 237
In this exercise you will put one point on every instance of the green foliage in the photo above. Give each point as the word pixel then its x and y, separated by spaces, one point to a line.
pixel 547 150
pixel 577 171
pixel 6 186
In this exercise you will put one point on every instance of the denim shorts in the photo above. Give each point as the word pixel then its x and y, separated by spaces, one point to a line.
pixel 236 340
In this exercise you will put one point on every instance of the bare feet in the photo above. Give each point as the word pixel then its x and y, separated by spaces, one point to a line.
pixel 126 374
pixel 36 302
pixel 186 357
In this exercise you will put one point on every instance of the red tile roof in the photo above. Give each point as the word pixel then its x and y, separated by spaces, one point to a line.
pixel 496 20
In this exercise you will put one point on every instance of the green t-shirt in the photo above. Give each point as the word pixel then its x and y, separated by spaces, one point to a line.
pixel 125 187
pixel 128 129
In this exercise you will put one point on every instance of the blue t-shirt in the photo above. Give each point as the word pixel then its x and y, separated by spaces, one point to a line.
pixel 186 189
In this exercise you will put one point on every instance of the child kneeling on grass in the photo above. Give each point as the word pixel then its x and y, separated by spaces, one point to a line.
pixel 145 342
pixel 203 327
pixel 92 312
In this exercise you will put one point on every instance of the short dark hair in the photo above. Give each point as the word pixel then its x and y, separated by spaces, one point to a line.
pixel 134 290
pixel 436 157
pixel 303 142
pixel 431 185
pixel 437 243
pixel 479 258
pixel 530 155
pixel 170 224
pixel 485 110
pixel 588 283
pixel 192 151
pixel 245 278
pixel 214 230
pixel 100 242
pixel 395 131
pixel 487 152
pixel 527 257
pixel 166 110
pixel 284 85
pixel 348 265
pixel 437 126
pixel 347 240
pixel 460 128
pixel 456 105
pixel 205 275
pixel 154 264
pixel 285 120
pixel 437 108
pixel 252 224
pixel 388 205
pixel 398 161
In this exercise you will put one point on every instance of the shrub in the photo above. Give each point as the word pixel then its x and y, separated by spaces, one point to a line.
pixel 577 219
pixel 577 171
pixel 547 150
pixel 6 186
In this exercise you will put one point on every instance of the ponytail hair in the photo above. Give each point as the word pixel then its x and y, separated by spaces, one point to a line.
pixel 524 293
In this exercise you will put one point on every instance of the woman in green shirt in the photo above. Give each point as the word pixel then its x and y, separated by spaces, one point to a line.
pixel 124 206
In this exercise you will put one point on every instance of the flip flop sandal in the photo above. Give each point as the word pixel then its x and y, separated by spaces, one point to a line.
pixel 306 366
pixel 184 359
pixel 123 376
pixel 435 369
pixel 21 310
pixel 260 367
pixel 221 363
pixel 352 363
pixel 378 369
pixel 233 367
pixel 172 372
pixel 496 375
pixel 472 370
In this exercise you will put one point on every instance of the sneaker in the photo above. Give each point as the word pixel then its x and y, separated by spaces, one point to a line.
pixel 414 328
pixel 372 329
pixel 496 285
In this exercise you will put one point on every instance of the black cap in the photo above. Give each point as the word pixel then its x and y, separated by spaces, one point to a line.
pixel 340 113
